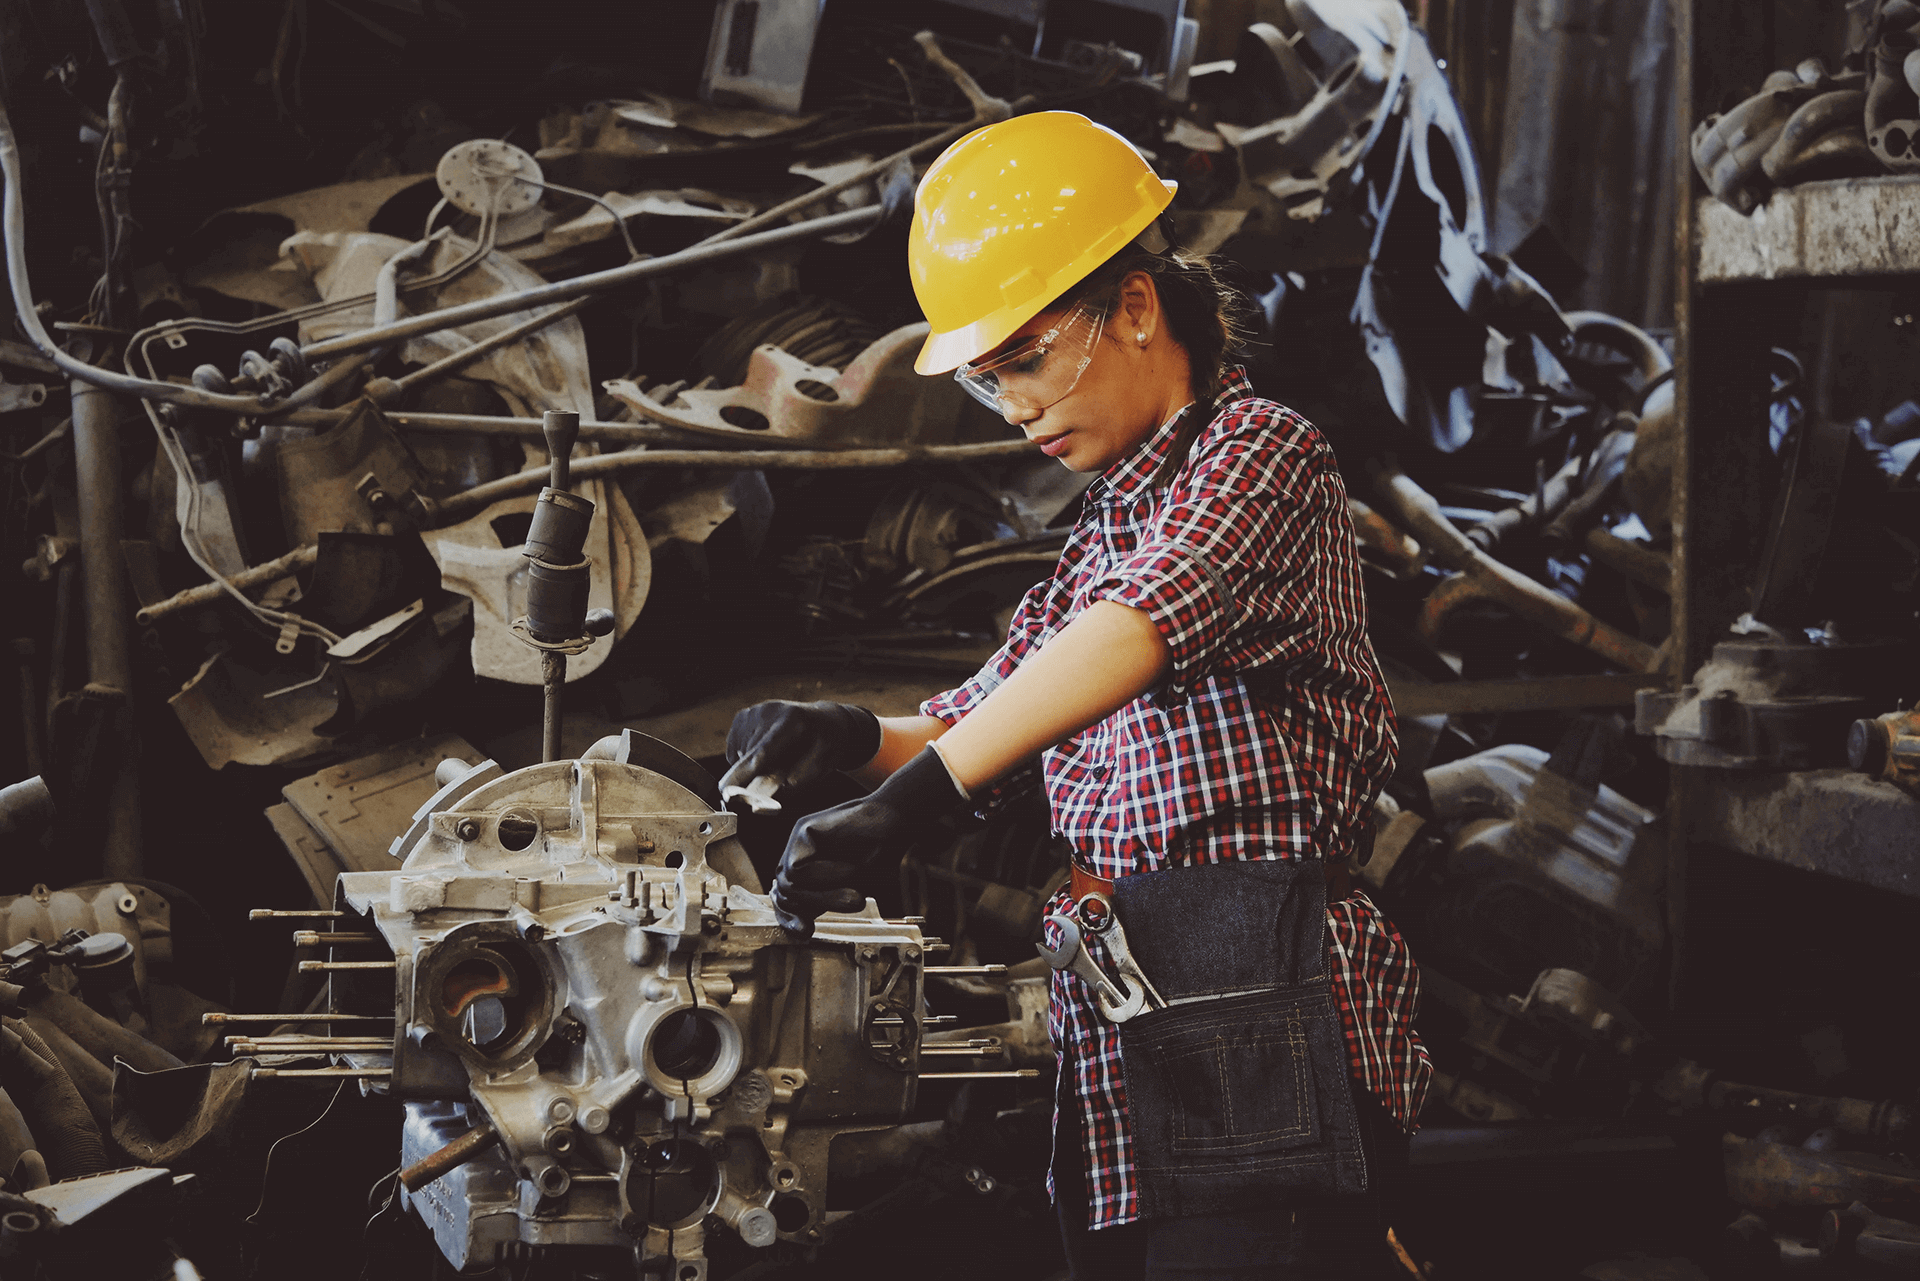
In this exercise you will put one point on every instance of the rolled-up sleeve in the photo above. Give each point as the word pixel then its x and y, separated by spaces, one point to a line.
pixel 1023 636
pixel 1225 558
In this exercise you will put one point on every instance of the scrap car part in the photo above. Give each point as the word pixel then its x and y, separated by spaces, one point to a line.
pixel 1333 81
pixel 1771 702
pixel 1887 747
pixel 877 399
pixel 602 1037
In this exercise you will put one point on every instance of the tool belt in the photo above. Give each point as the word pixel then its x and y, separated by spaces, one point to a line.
pixel 1339 881
pixel 1237 1077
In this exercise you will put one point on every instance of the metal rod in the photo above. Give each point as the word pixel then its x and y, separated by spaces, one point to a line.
pixel 553 677
pixel 103 576
pixel 459 506
pixel 319 938
pixel 1015 1074
pixel 269 913
pixel 457 1153
pixel 926 1020
pixel 964 969
pixel 210 1019
pixel 970 1050
pixel 383 393
pixel 206 593
pixel 591 283
pixel 243 1046
pixel 259 1072
pixel 501 425
pixel 316 967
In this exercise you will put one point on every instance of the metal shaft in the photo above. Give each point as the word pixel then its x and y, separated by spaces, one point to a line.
pixel 97 476
pixel 457 1153
pixel 553 676
pixel 592 282
pixel 208 1020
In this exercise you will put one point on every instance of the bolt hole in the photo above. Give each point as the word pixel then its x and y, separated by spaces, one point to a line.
pixel 742 417
pixel 784 1178
pixel 790 1213
pixel 689 1274
pixel 517 831
pixel 706 829
pixel 813 389
pixel 676 859
pixel 786 1081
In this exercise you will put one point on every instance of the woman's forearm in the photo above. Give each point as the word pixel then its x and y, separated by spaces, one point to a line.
pixel 1102 660
pixel 901 738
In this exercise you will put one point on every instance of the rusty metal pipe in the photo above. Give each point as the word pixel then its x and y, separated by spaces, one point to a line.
pixel 206 593
pixel 591 283
pixel 464 504
pixel 455 1154
pixel 97 475
pixel 1478 576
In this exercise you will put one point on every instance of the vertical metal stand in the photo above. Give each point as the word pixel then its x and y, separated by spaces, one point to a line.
pixel 553 676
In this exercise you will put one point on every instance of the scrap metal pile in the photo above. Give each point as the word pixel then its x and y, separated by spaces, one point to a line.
pixel 295 470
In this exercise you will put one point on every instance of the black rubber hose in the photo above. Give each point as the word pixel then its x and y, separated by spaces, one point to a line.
pixel 16 1136
pixel 100 1036
pixel 63 1129
pixel 92 1078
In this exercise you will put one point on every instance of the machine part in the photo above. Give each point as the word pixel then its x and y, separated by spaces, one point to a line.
pixel 159 1117
pixel 758 53
pixel 225 710
pixel 138 914
pixel 1823 131
pixel 1729 149
pixel 568 954
pixel 260 575
pixel 97 477
pixel 592 283
pixel 1769 1176
pixel 814 330
pixel 877 399
pixel 1892 109
pixel 357 477
pixel 1771 703
pixel 1334 81
pixel 26 810
pixel 1875 1240
pixel 486 177
pixel 1691 1085
pixel 1546 865
pixel 1886 747
pixel 342 818
pixel 1479 576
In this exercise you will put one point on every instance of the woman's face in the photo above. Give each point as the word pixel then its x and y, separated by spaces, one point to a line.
pixel 1135 381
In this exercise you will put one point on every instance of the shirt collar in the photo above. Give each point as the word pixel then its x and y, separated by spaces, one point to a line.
pixel 1126 479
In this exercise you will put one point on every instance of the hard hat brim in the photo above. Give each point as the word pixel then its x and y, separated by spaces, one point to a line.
pixel 944 352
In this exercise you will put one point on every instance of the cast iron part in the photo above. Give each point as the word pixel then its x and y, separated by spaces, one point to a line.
pixel 1888 748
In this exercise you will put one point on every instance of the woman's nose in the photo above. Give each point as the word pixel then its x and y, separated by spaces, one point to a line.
pixel 1018 415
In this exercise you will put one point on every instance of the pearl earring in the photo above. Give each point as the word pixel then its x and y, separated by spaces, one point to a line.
pixel 1140 337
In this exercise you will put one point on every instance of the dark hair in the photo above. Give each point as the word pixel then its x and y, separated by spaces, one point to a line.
pixel 1207 315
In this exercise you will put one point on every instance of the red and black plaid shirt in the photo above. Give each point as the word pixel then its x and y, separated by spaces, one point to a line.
pixel 1246 562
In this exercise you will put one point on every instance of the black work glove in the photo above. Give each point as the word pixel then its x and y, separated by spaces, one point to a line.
pixel 831 850
pixel 795 744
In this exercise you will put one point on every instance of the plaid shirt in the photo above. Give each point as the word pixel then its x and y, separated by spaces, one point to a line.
pixel 1245 561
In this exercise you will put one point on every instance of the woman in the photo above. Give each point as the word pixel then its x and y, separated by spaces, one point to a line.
pixel 1197 683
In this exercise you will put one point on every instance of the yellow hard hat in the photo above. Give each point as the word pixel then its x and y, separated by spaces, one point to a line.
pixel 1013 215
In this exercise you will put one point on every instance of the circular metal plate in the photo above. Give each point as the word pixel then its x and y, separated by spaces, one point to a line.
pixel 483 174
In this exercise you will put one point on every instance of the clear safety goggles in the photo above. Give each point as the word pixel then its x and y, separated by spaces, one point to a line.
pixel 1040 371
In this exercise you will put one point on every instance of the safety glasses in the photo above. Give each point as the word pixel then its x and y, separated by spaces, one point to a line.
pixel 1040 371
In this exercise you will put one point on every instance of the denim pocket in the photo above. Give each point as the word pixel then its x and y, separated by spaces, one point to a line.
pixel 1236 1073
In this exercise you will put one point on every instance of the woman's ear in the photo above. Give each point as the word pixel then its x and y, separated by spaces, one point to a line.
pixel 1137 316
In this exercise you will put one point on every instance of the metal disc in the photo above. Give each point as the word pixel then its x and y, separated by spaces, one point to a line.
pixel 483 173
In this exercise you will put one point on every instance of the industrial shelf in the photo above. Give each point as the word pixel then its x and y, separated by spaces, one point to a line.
pixel 1848 229
pixel 1834 822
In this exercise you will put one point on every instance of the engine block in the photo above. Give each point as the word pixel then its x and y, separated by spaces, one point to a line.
pixel 602 1037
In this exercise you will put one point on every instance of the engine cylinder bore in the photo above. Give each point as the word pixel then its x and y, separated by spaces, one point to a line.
pixel 687 1052
pixel 486 995
pixel 671 1182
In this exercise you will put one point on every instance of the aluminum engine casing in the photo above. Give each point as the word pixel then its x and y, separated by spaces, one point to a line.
pixel 658 1057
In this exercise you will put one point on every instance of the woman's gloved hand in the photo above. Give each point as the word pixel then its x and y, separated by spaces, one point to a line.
pixel 795 744
pixel 829 851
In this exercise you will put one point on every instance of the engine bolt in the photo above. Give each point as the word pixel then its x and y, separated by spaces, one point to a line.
pixel 868 952
pixel 467 830
pixel 912 953
pixel 594 1119
pixel 560 1111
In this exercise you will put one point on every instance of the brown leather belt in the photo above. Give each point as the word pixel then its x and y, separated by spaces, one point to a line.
pixel 1083 882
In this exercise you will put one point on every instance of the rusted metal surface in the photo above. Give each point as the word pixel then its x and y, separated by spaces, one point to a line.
pixel 1846 229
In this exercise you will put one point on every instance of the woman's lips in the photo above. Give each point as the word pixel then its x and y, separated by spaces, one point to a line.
pixel 1053 446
